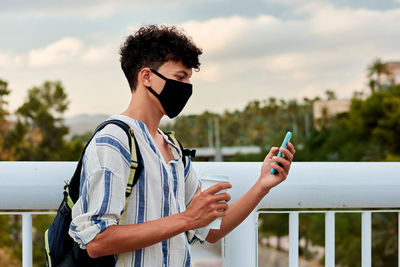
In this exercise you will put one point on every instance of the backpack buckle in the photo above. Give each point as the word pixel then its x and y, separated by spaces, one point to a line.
pixel 134 164
pixel 189 152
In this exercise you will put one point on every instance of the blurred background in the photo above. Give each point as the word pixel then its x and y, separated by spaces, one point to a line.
pixel 327 70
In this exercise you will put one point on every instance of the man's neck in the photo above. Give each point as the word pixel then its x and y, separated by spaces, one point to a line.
pixel 142 110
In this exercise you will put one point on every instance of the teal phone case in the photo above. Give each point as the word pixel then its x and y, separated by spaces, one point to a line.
pixel 284 144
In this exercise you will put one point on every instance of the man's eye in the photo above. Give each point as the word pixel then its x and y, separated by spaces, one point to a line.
pixel 179 78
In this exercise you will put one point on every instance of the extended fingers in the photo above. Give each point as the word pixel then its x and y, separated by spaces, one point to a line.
pixel 291 148
pixel 218 187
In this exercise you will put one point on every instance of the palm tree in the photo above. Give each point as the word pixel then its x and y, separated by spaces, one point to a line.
pixel 375 72
pixel 330 94
pixel 4 91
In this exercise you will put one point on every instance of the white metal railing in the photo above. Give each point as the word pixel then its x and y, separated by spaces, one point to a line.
pixel 310 185
pixel 330 233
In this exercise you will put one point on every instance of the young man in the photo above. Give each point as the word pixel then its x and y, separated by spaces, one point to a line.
pixel 167 210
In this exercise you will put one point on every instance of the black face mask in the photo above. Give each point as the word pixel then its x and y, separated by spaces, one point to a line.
pixel 174 95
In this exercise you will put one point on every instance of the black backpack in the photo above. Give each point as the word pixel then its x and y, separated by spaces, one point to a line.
pixel 61 250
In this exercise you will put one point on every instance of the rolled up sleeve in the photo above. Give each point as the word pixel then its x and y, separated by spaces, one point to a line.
pixel 99 206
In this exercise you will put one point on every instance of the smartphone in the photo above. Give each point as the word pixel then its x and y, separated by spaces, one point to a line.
pixel 284 144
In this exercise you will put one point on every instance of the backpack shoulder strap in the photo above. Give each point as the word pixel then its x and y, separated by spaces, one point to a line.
pixel 136 164
pixel 72 187
pixel 185 152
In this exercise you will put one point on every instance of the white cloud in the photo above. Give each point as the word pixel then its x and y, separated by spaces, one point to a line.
pixel 215 34
pixel 325 20
pixel 37 10
pixel 98 54
pixel 58 53
pixel 209 73
pixel 285 62
pixel 86 9
pixel 70 51
pixel 310 91
pixel 10 60
pixel 5 59
pixel 321 27
pixel 218 33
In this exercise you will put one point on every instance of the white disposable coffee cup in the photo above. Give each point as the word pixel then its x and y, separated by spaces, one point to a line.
pixel 206 182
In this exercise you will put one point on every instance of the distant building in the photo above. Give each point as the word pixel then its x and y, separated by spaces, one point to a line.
pixel 394 73
pixel 325 109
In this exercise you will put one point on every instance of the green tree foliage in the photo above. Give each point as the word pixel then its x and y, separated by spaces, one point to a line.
pixel 192 130
pixel 9 225
pixel 275 224
pixel 348 239
pixel 4 91
pixel 384 239
pixel 367 132
pixel 310 226
pixel 330 94
pixel 375 72
pixel 81 138
pixel 4 123
pixel 39 133
pixel 260 123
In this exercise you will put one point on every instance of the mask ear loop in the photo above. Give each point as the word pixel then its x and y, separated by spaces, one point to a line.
pixel 153 92
pixel 151 89
pixel 159 74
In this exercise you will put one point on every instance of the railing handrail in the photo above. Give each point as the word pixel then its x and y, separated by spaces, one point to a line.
pixel 309 185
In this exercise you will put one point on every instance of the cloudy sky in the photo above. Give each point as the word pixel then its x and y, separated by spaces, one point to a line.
pixel 252 49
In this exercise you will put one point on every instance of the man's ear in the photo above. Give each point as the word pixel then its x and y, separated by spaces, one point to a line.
pixel 144 77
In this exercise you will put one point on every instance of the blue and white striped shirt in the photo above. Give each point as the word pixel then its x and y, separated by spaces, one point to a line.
pixel 163 189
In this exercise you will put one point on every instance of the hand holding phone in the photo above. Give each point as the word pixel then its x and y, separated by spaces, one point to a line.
pixel 284 145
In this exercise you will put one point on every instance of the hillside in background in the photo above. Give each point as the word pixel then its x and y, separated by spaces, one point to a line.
pixel 84 123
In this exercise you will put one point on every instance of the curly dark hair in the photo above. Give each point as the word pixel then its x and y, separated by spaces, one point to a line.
pixel 151 46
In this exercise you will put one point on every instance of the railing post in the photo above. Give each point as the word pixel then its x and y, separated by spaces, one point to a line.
pixel 26 239
pixel 330 239
pixel 293 239
pixel 366 239
pixel 239 247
